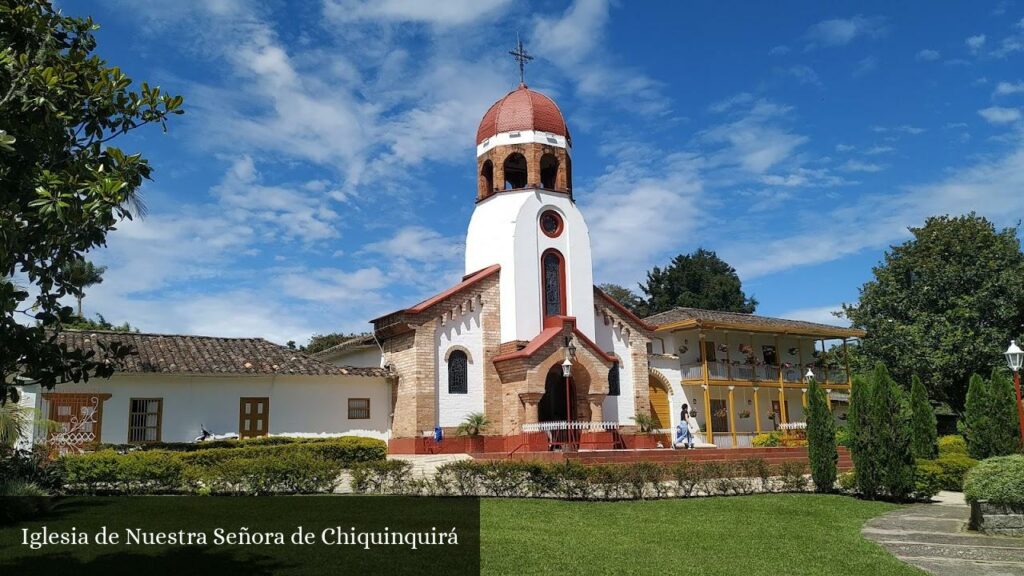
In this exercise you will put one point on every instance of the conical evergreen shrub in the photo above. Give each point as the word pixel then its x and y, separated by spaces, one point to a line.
pixel 977 423
pixel 821 439
pixel 861 445
pixel 923 425
pixel 1005 434
pixel 891 442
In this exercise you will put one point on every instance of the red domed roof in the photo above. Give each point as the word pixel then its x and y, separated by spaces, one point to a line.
pixel 522 109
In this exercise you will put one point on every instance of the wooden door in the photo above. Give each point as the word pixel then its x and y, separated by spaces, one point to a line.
pixel 780 415
pixel 659 406
pixel 253 417
pixel 719 416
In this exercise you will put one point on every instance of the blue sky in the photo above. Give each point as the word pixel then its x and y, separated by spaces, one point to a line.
pixel 324 173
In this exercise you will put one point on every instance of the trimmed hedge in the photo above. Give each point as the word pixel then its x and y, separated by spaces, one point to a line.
pixel 998 480
pixel 246 467
pixel 573 481
pixel 952 444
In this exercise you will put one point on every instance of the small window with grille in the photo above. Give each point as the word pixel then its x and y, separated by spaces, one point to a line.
pixel 458 372
pixel 358 408
pixel 144 419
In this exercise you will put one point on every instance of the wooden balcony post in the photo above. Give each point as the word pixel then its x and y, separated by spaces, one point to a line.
pixel 732 416
pixel 707 413
pixel 846 360
pixel 828 398
pixel 757 413
pixel 803 397
pixel 728 363
pixel 703 355
pixel 824 363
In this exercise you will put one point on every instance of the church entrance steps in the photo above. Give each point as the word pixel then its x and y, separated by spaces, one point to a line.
pixel 425 465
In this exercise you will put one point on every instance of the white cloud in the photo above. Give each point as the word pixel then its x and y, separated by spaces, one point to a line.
pixel 821 315
pixel 420 244
pixel 842 31
pixel 975 43
pixel 1000 115
pixel 928 55
pixel 573 41
pixel 731 102
pixel 858 166
pixel 878 149
pixel 845 147
pixel 1008 88
pixel 803 74
pixel 875 221
pixel 447 13
pixel 865 66
pixel 779 50
pixel 756 140
pixel 638 209
pixel 902 129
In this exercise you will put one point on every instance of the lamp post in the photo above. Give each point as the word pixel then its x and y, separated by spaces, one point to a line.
pixel 1015 359
pixel 567 372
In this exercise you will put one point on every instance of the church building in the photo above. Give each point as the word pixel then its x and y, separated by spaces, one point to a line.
pixel 525 345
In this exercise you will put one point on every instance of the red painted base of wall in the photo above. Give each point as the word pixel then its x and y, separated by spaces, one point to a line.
pixel 595 448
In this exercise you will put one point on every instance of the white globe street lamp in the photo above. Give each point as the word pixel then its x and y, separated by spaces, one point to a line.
pixel 1015 359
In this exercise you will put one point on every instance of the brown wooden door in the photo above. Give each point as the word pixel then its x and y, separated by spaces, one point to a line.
pixel 253 417
pixel 780 416
pixel 719 416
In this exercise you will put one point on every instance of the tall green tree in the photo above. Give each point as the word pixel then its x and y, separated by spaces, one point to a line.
pixel 991 421
pixel 82 274
pixel 821 439
pixel 862 439
pixel 629 299
pixel 943 305
pixel 891 436
pixel 923 425
pixel 697 280
pixel 63 183
pixel 321 342
pixel 976 422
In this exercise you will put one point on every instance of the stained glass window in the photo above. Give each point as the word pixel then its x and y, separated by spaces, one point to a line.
pixel 458 372
pixel 552 284
pixel 613 380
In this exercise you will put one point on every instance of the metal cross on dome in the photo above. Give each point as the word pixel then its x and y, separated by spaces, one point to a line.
pixel 522 57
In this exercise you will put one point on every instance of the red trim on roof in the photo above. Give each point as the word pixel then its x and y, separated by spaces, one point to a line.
pixel 469 280
pixel 624 311
pixel 547 335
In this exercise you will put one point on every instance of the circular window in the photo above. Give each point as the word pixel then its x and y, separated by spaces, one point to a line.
pixel 551 223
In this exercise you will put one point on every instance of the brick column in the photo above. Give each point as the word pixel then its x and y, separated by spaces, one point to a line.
pixel 596 407
pixel 531 401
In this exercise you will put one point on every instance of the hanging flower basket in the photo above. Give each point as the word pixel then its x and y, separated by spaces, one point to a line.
pixel 744 414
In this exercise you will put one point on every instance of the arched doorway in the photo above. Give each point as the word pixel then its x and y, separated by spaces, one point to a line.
pixel 658 395
pixel 552 406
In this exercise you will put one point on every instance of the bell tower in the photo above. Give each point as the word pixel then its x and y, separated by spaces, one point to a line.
pixel 525 217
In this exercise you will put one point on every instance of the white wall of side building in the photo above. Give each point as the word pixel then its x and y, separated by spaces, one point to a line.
pixel 368 357
pixel 463 332
pixel 505 230
pixel 609 337
pixel 299 405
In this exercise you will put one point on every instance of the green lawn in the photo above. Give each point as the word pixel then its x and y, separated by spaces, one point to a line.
pixel 774 535
pixel 781 534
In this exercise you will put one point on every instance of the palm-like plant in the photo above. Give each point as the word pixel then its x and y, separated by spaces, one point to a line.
pixel 646 422
pixel 473 424
pixel 15 422
pixel 81 274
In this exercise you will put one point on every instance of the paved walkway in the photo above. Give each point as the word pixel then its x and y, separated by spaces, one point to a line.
pixel 934 537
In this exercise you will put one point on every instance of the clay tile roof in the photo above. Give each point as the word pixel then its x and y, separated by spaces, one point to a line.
pixel 186 354
pixel 523 109
pixel 740 321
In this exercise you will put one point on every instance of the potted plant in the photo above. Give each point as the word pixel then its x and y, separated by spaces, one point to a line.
pixel 472 428
pixel 647 424
pixel 743 413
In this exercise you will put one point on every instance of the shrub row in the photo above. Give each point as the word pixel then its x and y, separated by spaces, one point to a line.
pixel 574 481
pixel 292 467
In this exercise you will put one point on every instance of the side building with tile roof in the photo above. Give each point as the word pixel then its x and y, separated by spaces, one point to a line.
pixel 176 386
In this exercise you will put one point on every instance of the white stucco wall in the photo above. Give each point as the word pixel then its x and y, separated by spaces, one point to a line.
pixel 298 404
pixel 461 332
pixel 29 399
pixel 363 357
pixel 609 338
pixel 505 230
